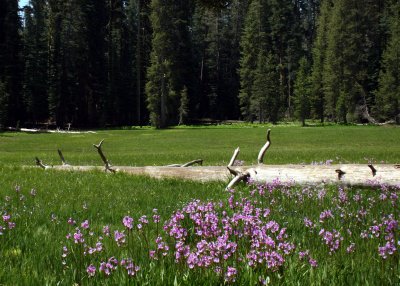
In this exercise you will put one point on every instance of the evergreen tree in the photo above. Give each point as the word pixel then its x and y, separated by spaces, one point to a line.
pixel 138 13
pixel 254 39
pixel 94 78
pixel 184 105
pixel 285 31
pixel 35 60
pixel 318 55
pixel 57 86
pixel 388 94
pixel 216 36
pixel 264 102
pixel 302 91
pixel 170 64
pixel 350 64
pixel 11 107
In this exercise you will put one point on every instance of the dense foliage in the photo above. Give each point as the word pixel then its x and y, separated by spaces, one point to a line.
pixel 134 62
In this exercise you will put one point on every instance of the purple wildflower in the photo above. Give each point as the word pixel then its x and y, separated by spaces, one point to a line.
pixel 128 222
pixel 91 270
pixel 119 237
pixel 85 224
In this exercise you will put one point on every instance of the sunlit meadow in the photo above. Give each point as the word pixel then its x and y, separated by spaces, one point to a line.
pixel 104 229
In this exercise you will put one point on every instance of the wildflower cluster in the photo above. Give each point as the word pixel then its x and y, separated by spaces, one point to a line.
pixel 14 207
pixel 257 231
pixel 211 235
pixel 85 248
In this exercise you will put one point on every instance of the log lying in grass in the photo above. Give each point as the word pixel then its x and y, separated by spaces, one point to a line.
pixel 354 174
pixel 345 174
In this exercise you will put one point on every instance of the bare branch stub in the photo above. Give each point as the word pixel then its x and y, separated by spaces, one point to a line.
pixel 238 178
pixel 191 163
pixel 107 165
pixel 64 163
pixel 232 171
pixel 372 169
pixel 261 154
pixel 340 174
pixel 397 166
pixel 40 164
pixel 234 156
pixel 188 164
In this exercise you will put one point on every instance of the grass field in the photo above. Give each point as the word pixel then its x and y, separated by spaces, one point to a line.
pixel 350 237
pixel 213 144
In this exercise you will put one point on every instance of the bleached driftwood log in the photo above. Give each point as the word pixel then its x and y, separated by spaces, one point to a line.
pixel 354 174
pixel 345 174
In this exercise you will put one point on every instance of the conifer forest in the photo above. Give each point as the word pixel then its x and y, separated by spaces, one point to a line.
pixel 99 63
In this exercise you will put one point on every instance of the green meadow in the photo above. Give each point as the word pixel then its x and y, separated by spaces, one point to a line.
pixel 32 251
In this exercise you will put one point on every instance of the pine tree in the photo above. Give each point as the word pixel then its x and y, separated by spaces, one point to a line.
pixel 302 91
pixel 264 102
pixel 95 76
pixel 184 105
pixel 57 74
pixel 318 55
pixel 216 53
pixel 138 12
pixel 11 108
pixel 36 61
pixel 254 39
pixel 285 32
pixel 170 64
pixel 350 64
pixel 388 94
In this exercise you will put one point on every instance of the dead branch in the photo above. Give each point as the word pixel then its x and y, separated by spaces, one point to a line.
pixel 240 176
pixel 372 169
pixel 191 163
pixel 233 171
pixel 64 163
pixel 340 173
pixel 234 156
pixel 41 165
pixel 188 164
pixel 107 164
pixel 264 148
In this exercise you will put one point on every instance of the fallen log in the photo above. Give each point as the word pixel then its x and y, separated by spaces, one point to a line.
pixel 344 174
pixel 352 174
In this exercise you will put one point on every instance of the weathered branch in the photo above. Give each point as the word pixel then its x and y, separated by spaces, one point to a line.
pixel 372 169
pixel 234 156
pixel 241 176
pixel 260 157
pixel 340 173
pixel 107 164
pixel 64 163
pixel 188 164
pixel 191 163
pixel 41 165
pixel 233 171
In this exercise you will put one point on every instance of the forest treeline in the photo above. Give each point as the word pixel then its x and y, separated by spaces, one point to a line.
pixel 94 63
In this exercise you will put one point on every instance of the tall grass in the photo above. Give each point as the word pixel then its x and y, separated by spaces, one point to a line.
pixel 142 147
pixel 32 251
